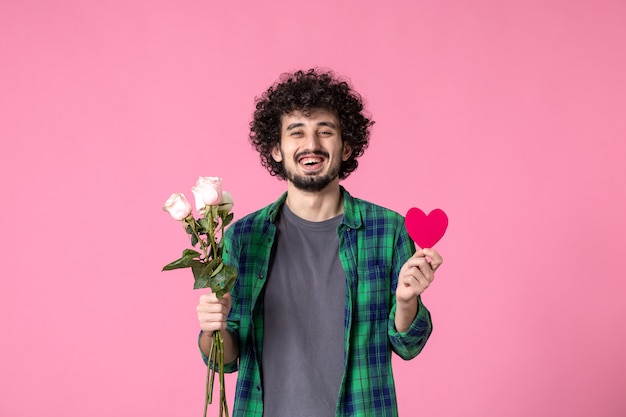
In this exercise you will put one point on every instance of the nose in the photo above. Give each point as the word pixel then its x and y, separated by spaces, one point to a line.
pixel 313 141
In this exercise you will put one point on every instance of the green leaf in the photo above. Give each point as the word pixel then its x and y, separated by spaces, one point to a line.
pixel 202 272
pixel 223 281
pixel 210 267
pixel 201 281
pixel 191 254
pixel 218 267
pixel 227 220
pixel 197 267
pixel 203 226
pixel 184 261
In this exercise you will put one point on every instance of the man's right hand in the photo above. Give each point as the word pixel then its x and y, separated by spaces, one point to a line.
pixel 212 313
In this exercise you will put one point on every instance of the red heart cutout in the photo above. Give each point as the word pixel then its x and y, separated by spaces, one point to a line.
pixel 426 230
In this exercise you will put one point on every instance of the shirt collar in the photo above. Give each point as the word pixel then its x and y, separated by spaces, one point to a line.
pixel 351 212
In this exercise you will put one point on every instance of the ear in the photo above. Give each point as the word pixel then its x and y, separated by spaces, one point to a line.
pixel 347 151
pixel 276 154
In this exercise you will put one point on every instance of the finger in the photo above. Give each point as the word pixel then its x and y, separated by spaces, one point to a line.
pixel 416 260
pixel 226 299
pixel 422 264
pixel 211 309
pixel 211 298
pixel 413 274
pixel 416 283
pixel 435 258
pixel 211 317
pixel 208 298
pixel 423 275
pixel 212 326
pixel 215 305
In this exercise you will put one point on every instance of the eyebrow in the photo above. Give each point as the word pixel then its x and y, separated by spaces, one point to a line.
pixel 300 124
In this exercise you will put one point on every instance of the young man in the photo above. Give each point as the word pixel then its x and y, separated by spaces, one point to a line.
pixel 328 285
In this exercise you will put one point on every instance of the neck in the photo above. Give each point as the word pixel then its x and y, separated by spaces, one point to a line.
pixel 315 206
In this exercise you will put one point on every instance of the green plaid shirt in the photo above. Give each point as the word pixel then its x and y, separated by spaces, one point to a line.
pixel 373 246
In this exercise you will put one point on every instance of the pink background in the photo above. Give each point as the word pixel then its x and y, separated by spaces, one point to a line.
pixel 508 115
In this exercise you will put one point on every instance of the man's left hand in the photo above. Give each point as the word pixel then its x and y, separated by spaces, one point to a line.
pixel 416 274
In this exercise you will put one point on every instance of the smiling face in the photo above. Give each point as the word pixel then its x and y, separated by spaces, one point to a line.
pixel 311 149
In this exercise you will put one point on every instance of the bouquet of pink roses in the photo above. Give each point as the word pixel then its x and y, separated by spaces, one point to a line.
pixel 209 270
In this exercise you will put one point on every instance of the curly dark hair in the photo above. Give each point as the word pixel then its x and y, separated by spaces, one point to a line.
pixel 306 91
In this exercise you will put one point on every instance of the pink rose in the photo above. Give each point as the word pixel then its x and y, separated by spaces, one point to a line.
pixel 178 206
pixel 207 192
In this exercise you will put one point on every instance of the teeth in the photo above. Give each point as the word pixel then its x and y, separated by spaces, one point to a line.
pixel 310 161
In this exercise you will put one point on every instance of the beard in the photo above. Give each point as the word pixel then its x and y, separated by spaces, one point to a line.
pixel 313 182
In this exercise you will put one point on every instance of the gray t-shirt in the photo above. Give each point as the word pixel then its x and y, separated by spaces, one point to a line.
pixel 303 338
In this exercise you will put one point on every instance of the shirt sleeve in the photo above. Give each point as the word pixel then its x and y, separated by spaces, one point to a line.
pixel 410 343
pixel 228 367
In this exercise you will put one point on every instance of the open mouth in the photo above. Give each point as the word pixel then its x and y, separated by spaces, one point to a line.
pixel 311 162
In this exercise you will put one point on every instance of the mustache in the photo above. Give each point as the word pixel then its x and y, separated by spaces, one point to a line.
pixel 299 155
